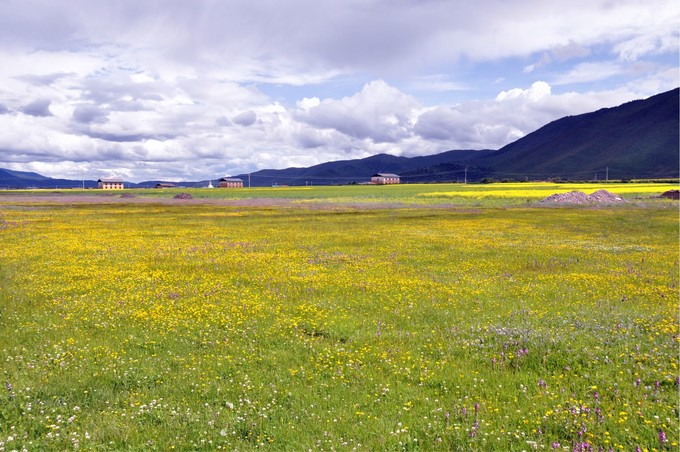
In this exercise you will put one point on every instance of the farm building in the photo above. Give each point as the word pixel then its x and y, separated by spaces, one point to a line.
pixel 231 182
pixel 110 184
pixel 165 185
pixel 385 178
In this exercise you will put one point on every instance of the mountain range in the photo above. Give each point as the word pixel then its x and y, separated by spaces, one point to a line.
pixel 636 140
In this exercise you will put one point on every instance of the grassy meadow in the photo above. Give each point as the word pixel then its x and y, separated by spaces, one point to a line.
pixel 423 317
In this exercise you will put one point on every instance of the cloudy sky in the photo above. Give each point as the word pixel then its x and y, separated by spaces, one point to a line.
pixel 199 89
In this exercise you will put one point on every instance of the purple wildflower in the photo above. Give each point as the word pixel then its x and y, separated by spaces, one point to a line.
pixel 582 446
pixel 600 416
pixel 662 438
pixel 555 445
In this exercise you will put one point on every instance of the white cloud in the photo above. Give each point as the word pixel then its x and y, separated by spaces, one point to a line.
pixel 39 107
pixel 247 118
pixel 175 89
pixel 379 113
pixel 590 72
pixel 513 114
pixel 538 91
pixel 308 103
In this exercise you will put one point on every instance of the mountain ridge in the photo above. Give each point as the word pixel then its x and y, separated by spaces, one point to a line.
pixel 579 146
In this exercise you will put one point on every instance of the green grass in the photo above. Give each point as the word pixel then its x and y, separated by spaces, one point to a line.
pixel 203 327
pixel 490 195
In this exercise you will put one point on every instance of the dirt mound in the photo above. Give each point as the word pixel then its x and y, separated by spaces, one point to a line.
pixel 183 196
pixel 671 194
pixel 604 196
pixel 578 197
pixel 573 197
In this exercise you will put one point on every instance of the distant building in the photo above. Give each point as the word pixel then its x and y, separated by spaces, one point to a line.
pixel 231 182
pixel 165 185
pixel 110 183
pixel 385 178
pixel 210 185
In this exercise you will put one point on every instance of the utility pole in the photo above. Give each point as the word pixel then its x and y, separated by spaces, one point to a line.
pixel 607 176
pixel 248 180
pixel 466 174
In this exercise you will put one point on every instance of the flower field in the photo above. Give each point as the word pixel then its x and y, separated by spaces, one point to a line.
pixel 197 326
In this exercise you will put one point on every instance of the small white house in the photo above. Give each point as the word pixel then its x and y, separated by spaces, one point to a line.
pixel 231 182
pixel 111 183
pixel 385 178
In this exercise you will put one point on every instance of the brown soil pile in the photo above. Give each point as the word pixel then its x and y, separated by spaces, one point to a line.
pixel 183 196
pixel 578 197
pixel 671 194
pixel 603 196
pixel 573 197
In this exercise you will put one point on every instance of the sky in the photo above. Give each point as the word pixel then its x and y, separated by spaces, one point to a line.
pixel 188 90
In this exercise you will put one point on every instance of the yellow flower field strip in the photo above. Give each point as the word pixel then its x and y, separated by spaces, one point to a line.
pixel 540 191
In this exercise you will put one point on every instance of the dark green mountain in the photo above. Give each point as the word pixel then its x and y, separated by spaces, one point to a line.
pixel 638 139
pixel 431 168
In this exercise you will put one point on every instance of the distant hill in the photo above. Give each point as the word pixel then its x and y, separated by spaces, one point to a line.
pixel 23 179
pixel 411 169
pixel 638 139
